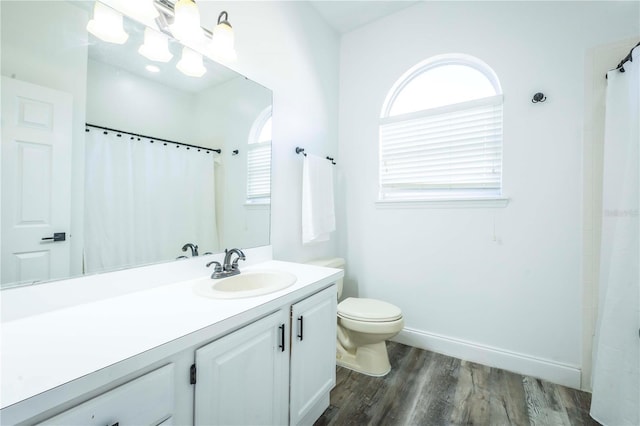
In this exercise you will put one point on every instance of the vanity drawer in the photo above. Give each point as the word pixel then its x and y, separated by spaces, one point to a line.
pixel 147 400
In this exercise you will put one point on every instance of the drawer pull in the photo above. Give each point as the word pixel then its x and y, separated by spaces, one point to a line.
pixel 281 345
pixel 300 327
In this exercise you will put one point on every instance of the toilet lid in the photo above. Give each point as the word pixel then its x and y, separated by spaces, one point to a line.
pixel 368 310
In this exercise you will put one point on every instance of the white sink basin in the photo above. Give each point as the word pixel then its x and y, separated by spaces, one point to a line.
pixel 246 284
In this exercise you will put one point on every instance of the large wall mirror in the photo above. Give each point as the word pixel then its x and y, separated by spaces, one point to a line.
pixel 111 160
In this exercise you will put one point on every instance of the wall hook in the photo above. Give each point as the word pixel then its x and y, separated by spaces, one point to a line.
pixel 538 97
pixel 234 152
pixel 300 151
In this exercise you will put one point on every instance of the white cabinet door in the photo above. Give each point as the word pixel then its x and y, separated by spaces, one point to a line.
pixel 36 182
pixel 147 400
pixel 242 378
pixel 313 353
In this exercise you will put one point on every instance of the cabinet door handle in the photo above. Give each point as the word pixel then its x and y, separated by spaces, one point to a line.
pixel 281 346
pixel 300 327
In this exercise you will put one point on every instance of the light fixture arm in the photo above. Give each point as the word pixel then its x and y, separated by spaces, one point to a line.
pixel 167 9
pixel 221 44
pixel 225 20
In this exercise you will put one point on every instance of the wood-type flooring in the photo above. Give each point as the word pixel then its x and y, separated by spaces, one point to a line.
pixel 426 388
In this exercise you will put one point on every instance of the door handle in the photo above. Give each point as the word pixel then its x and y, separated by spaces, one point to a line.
pixel 57 236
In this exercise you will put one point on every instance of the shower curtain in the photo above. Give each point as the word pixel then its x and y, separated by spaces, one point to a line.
pixel 616 377
pixel 144 201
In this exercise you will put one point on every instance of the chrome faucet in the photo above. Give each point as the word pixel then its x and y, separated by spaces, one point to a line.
pixel 193 247
pixel 228 268
pixel 227 265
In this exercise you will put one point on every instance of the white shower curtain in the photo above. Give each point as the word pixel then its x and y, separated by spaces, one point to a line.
pixel 616 377
pixel 144 201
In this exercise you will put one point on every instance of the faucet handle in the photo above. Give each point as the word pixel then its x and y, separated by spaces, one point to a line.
pixel 217 268
pixel 234 265
pixel 241 256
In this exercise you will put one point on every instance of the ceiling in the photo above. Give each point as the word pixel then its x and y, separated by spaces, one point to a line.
pixel 345 16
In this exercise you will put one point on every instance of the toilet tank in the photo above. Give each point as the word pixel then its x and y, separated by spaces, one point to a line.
pixel 331 262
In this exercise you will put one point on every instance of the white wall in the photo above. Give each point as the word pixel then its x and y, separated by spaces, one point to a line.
pixel 121 100
pixel 224 115
pixel 500 286
pixel 288 48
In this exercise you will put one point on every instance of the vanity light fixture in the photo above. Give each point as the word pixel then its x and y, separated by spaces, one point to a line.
pixel 156 46
pixel 191 63
pixel 222 41
pixel 185 18
pixel 186 25
pixel 107 24
pixel 141 10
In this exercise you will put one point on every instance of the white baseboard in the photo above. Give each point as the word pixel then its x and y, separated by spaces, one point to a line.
pixel 316 411
pixel 563 374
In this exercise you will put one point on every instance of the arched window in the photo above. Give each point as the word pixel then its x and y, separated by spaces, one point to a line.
pixel 259 159
pixel 441 132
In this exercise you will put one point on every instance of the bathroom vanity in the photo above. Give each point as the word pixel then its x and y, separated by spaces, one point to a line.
pixel 167 355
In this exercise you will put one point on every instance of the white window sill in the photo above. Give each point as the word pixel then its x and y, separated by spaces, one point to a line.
pixel 437 203
pixel 264 205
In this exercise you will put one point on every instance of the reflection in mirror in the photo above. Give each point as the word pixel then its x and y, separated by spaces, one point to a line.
pixel 127 196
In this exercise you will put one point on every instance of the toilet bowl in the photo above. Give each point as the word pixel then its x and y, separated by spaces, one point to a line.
pixel 363 327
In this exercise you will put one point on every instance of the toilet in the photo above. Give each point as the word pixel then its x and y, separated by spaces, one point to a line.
pixel 363 327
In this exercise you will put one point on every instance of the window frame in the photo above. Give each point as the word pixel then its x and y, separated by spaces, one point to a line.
pixel 412 197
pixel 254 144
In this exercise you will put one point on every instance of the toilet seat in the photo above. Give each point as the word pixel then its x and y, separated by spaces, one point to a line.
pixel 372 327
pixel 368 310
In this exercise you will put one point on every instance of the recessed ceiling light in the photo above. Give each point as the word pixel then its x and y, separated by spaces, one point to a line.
pixel 152 68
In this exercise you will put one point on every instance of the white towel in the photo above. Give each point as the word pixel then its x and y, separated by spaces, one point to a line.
pixel 318 213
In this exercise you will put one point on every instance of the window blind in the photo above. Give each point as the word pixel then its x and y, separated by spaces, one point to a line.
pixel 259 170
pixel 456 148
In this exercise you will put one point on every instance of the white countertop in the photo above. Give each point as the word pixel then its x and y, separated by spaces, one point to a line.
pixel 43 351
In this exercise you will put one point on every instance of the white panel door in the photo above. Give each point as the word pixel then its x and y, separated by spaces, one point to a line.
pixel 36 182
pixel 242 378
pixel 313 351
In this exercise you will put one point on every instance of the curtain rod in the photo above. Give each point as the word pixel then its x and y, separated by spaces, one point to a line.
pixel 219 151
pixel 301 151
pixel 624 60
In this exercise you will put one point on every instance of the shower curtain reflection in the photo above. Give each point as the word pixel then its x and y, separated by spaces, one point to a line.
pixel 144 201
